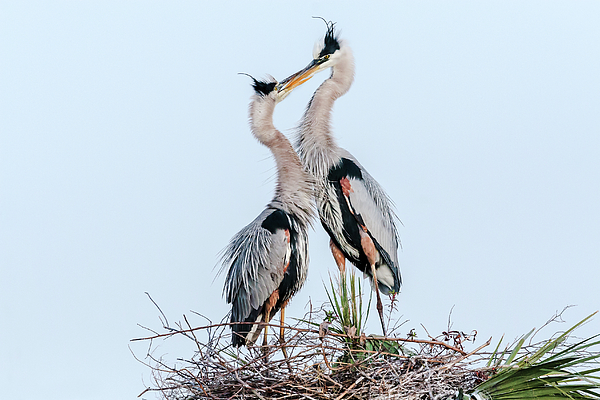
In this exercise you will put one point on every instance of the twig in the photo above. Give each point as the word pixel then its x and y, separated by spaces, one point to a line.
pixel 340 335
pixel 166 323
pixel 453 363
pixel 341 396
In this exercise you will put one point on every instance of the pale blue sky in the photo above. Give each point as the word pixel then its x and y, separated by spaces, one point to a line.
pixel 126 164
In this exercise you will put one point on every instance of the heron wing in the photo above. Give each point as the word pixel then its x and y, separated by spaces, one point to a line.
pixel 370 203
pixel 366 209
pixel 255 259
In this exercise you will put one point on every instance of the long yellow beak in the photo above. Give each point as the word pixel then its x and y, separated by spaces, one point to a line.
pixel 286 86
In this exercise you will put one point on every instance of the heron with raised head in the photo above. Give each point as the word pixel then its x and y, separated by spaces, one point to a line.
pixel 353 208
pixel 267 261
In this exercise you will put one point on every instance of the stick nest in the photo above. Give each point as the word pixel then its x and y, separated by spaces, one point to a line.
pixel 320 364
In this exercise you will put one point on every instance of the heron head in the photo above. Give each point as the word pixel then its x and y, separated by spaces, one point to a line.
pixel 328 49
pixel 264 88
pixel 326 54
pixel 269 88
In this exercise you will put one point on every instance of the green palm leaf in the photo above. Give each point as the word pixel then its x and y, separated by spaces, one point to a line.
pixel 543 375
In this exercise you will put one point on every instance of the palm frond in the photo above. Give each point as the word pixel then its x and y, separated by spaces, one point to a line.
pixel 544 374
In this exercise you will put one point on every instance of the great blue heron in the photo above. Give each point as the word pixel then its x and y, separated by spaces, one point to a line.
pixel 267 261
pixel 353 208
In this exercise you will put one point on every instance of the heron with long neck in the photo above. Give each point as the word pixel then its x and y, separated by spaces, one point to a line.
pixel 353 208
pixel 267 261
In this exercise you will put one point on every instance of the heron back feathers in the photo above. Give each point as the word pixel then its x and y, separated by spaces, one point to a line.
pixel 268 255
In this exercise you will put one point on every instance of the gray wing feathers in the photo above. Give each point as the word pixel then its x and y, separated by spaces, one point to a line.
pixel 379 226
pixel 383 204
pixel 254 259
pixel 331 215
pixel 376 208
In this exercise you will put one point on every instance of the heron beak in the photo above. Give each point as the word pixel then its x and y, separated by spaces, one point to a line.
pixel 286 86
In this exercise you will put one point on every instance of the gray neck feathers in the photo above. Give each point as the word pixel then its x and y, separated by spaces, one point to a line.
pixel 315 143
pixel 293 192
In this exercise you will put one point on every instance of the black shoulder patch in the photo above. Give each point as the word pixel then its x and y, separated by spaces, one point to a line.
pixel 331 41
pixel 276 220
pixel 263 88
pixel 346 168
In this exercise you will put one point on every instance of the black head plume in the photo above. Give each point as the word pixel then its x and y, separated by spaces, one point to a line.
pixel 261 88
pixel 331 43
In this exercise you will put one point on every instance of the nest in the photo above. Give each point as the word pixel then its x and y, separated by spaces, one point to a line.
pixel 313 362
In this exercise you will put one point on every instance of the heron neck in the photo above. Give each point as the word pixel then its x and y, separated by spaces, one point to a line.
pixel 293 192
pixel 316 145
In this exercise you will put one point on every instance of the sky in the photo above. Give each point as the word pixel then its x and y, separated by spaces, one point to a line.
pixel 127 164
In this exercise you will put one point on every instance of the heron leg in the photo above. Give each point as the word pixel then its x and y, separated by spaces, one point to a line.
pixel 267 318
pixel 371 253
pixel 339 257
pixel 282 340
pixel 379 304
pixel 281 330
pixel 340 260
pixel 269 304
